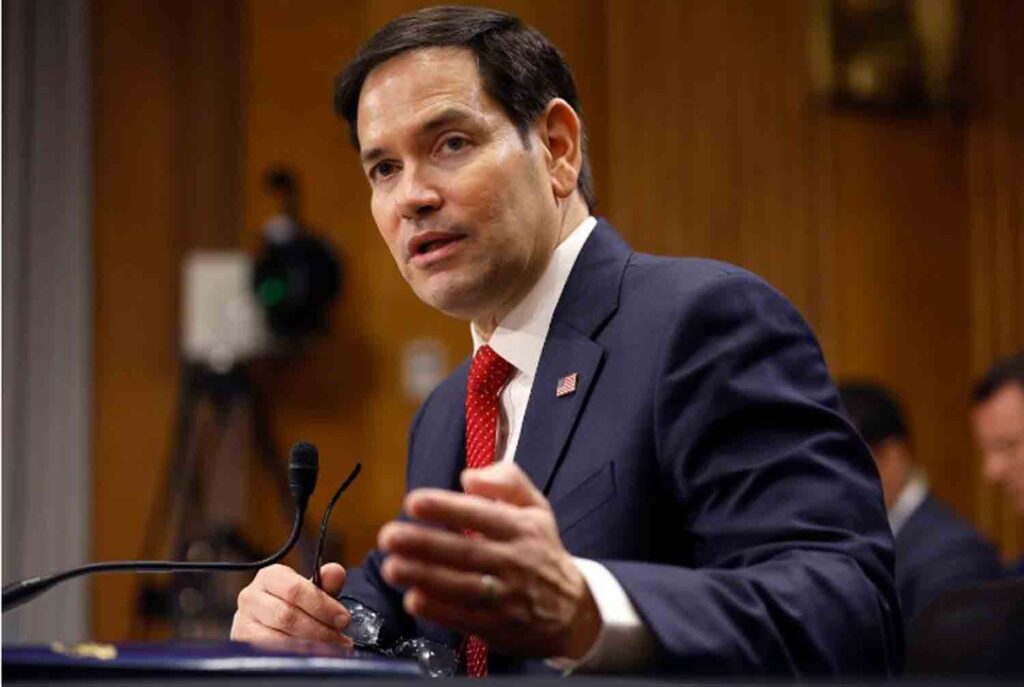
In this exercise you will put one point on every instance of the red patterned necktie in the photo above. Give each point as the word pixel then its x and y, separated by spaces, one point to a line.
pixel 487 376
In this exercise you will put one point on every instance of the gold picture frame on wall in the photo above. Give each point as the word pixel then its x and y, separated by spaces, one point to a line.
pixel 892 57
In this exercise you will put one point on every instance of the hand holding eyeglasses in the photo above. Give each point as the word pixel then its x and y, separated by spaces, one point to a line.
pixel 280 603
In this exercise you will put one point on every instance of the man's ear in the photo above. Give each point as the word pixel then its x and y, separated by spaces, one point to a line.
pixel 561 135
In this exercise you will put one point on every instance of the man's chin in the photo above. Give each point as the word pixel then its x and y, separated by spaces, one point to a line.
pixel 462 304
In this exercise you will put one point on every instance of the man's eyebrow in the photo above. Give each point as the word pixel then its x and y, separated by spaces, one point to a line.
pixel 371 155
pixel 450 115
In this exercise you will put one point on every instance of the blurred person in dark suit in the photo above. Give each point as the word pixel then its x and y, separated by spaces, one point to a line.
pixel 936 550
pixel 647 454
pixel 998 421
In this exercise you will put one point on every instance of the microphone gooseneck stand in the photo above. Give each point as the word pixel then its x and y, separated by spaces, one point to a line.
pixel 303 464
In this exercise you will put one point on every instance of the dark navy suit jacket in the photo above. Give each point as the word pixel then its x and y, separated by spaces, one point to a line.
pixel 937 551
pixel 703 460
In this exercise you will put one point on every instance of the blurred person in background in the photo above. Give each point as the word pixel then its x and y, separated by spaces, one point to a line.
pixel 936 550
pixel 998 421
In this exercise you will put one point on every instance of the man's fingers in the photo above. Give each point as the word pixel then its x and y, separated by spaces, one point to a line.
pixel 275 614
pixel 436 580
pixel 441 547
pixel 294 590
pixel 458 616
pixel 502 481
pixel 492 519
pixel 246 629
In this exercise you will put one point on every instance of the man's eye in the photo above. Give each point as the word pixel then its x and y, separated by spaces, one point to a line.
pixel 382 170
pixel 455 144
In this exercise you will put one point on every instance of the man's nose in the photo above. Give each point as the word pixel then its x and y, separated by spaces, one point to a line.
pixel 418 195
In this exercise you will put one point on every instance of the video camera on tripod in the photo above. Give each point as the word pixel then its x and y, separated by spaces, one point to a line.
pixel 235 309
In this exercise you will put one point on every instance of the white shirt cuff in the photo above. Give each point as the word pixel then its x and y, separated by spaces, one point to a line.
pixel 624 642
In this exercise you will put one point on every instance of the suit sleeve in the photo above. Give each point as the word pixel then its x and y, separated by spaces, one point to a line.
pixel 788 567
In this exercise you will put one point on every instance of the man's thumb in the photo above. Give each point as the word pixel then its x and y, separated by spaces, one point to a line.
pixel 332 576
pixel 502 482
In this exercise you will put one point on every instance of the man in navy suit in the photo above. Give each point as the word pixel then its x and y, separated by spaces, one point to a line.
pixel 935 549
pixel 665 481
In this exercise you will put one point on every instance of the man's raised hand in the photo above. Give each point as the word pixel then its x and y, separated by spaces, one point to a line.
pixel 512 582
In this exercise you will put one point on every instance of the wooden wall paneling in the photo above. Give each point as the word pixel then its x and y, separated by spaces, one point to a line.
pixel 995 190
pixel 209 78
pixel 719 150
pixel 713 140
pixel 899 284
pixel 334 394
pixel 136 224
pixel 166 170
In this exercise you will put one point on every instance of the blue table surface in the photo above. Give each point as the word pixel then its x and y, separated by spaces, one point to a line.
pixel 208 657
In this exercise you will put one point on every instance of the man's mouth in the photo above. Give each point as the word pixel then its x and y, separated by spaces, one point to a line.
pixel 426 248
pixel 435 244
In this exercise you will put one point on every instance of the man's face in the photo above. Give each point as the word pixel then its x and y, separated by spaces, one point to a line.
pixel 466 209
pixel 999 430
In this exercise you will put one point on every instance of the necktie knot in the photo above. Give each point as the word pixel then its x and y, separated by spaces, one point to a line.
pixel 488 373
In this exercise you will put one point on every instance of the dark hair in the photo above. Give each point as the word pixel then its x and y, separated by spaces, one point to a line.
pixel 874 411
pixel 519 67
pixel 1006 371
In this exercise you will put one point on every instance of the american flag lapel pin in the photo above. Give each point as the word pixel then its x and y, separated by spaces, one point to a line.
pixel 566 385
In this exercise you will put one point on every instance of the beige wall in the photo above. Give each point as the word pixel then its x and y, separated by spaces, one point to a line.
pixel 901 241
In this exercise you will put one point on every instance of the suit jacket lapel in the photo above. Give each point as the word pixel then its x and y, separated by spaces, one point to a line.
pixel 590 297
pixel 550 419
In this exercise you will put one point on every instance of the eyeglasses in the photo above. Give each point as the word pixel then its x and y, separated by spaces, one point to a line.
pixel 318 561
pixel 368 633
pixel 365 629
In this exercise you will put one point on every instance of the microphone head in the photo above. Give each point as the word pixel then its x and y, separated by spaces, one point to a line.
pixel 303 463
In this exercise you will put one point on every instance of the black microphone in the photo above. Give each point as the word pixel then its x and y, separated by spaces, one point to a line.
pixel 303 463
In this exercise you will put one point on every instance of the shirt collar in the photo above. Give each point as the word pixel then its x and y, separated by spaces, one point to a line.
pixel 912 496
pixel 519 337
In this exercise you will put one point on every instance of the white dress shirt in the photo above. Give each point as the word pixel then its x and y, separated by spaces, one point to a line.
pixel 909 500
pixel 624 642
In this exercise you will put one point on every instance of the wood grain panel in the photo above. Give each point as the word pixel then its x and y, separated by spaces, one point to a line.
pixel 166 159
pixel 995 171
pixel 718 149
pixel 345 393
pixel 712 137
pixel 208 81
pixel 136 224
pixel 898 281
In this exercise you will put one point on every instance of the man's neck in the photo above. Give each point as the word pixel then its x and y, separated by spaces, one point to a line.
pixel 486 328
pixel 572 216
